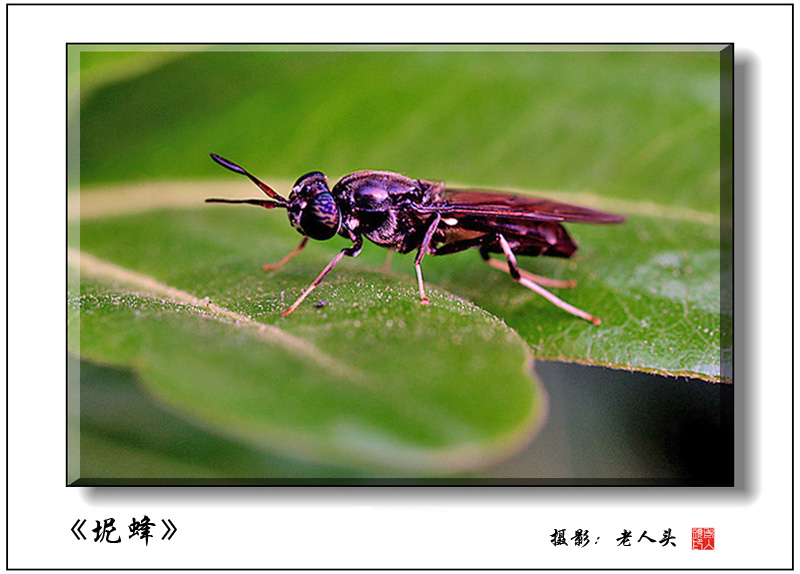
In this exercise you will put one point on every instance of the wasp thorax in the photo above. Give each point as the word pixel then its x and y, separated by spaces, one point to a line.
pixel 312 209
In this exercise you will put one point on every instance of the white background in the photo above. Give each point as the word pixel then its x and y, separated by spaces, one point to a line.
pixel 394 527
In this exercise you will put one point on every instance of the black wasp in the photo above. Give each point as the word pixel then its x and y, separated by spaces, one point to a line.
pixel 404 215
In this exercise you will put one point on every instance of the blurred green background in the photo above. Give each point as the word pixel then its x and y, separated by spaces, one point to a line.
pixel 536 120
pixel 637 132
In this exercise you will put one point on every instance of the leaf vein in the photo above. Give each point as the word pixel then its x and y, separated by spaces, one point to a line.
pixel 92 266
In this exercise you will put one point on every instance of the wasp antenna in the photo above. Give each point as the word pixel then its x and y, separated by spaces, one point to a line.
pixel 260 202
pixel 227 164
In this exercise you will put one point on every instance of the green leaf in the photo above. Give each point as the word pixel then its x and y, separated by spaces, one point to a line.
pixel 658 297
pixel 370 380
pixel 633 132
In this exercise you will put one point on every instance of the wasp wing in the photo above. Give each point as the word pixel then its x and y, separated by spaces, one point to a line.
pixel 479 203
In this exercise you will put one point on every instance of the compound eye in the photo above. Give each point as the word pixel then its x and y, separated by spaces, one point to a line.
pixel 321 218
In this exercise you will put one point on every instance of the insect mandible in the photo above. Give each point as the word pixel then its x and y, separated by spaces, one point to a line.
pixel 404 214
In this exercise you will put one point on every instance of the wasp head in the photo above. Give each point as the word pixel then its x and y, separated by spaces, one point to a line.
pixel 313 211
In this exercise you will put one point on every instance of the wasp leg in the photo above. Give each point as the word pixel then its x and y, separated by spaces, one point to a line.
pixel 351 251
pixel 546 281
pixel 532 285
pixel 423 248
pixel 285 260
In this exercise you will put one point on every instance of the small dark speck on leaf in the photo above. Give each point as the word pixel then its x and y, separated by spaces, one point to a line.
pixel 320 303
